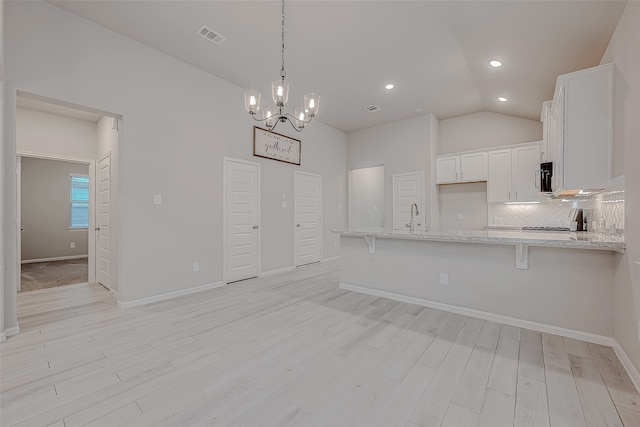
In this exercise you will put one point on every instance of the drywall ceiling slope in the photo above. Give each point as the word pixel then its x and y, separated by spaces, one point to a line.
pixel 435 52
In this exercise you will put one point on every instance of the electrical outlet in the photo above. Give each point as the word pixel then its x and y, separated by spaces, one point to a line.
pixel 196 266
pixel 444 278
pixel 460 217
pixel 72 244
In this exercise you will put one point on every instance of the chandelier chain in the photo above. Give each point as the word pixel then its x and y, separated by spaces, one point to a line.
pixel 282 73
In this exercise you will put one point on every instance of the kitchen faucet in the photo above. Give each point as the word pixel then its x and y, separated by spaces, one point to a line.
pixel 411 224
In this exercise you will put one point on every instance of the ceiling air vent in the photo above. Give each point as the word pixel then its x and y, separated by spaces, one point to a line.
pixel 207 33
pixel 372 108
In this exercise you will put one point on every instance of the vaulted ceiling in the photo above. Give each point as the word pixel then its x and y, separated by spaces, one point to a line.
pixel 435 52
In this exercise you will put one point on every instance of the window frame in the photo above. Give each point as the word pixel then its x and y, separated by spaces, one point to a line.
pixel 72 201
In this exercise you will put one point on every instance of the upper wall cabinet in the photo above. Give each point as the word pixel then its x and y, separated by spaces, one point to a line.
pixel 545 118
pixel 514 174
pixel 468 167
pixel 580 130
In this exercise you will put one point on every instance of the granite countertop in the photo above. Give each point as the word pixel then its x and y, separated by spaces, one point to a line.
pixel 582 240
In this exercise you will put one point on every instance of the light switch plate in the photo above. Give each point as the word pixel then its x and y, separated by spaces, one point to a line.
pixel 460 217
pixel 284 204
pixel 157 199
pixel 444 278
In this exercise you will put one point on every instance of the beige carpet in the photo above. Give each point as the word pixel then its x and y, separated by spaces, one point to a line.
pixel 43 275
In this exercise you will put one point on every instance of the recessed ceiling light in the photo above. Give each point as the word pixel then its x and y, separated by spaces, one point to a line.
pixel 502 99
pixel 495 63
pixel 389 86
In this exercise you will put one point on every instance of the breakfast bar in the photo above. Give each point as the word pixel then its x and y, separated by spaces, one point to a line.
pixel 561 282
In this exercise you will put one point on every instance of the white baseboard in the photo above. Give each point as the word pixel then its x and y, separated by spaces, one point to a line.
pixel 169 295
pixel 333 258
pixel 627 363
pixel 512 321
pixel 277 271
pixel 9 332
pixel 59 258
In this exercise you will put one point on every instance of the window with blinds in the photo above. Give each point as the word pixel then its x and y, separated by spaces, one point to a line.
pixel 79 201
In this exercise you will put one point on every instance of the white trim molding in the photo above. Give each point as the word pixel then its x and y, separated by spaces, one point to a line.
pixel 506 320
pixel 9 332
pixel 330 259
pixel 168 296
pixel 58 258
pixel 628 365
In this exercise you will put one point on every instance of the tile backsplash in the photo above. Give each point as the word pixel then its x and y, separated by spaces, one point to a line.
pixel 607 210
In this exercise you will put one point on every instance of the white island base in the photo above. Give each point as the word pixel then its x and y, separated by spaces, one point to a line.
pixel 565 290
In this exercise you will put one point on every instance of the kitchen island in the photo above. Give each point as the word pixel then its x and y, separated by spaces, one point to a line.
pixel 561 282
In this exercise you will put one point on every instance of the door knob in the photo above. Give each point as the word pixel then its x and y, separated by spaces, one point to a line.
pixel 97 228
pixel 255 227
pixel 297 225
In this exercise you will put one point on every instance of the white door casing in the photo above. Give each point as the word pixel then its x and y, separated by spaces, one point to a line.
pixel 241 219
pixel 408 188
pixel 103 221
pixel 308 218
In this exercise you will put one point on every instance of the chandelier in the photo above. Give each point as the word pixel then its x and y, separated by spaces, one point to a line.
pixel 280 93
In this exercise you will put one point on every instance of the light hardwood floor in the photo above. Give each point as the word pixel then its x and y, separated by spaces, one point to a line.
pixel 293 350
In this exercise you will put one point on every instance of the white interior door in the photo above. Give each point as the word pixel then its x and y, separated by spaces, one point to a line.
pixel 241 255
pixel 408 189
pixel 308 217
pixel 103 228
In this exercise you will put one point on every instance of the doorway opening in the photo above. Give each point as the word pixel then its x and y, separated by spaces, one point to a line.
pixel 65 158
pixel 54 219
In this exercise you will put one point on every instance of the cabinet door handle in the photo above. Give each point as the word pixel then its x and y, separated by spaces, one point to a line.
pixel 536 180
pixel 509 195
pixel 456 176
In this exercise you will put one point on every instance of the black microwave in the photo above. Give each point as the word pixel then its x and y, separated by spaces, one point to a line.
pixel 546 173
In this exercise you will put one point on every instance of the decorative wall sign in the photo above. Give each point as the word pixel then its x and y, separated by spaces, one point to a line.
pixel 274 146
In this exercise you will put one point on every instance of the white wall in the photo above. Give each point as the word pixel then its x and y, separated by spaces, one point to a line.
pixel 178 122
pixel 470 200
pixel 623 51
pixel 46 210
pixel 402 146
pixel 366 205
pixel 484 130
pixel 49 134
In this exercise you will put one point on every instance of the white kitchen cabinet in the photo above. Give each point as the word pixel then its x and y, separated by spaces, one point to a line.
pixel 545 118
pixel 447 169
pixel 499 180
pixel 580 142
pixel 514 174
pixel 465 167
